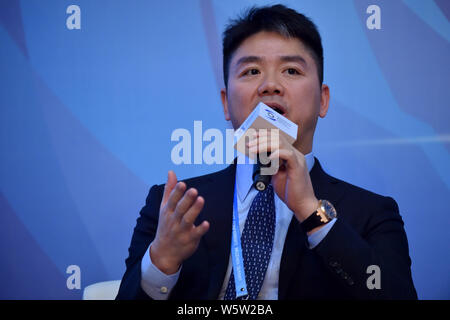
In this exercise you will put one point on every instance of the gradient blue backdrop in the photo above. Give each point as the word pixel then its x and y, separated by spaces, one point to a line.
pixel 87 116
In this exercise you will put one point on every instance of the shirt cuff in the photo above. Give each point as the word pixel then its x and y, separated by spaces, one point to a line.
pixel 154 282
pixel 315 238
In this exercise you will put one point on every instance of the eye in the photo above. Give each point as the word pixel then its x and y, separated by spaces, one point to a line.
pixel 251 72
pixel 292 71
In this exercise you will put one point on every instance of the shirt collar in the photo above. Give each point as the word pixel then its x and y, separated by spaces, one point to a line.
pixel 244 171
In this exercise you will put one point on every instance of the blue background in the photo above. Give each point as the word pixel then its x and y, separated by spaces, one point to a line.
pixel 87 115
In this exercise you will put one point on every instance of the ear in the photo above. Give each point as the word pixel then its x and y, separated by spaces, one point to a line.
pixel 223 96
pixel 324 100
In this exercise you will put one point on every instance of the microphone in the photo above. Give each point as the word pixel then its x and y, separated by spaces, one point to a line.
pixel 261 181
pixel 264 117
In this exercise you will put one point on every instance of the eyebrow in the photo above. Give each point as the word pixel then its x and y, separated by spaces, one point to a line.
pixel 249 59
pixel 295 58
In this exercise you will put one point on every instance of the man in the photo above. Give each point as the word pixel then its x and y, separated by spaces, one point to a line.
pixel 181 246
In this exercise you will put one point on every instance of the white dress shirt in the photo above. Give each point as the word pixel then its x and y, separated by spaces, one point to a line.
pixel 159 285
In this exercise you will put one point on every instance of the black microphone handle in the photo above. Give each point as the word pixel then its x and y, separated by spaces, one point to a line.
pixel 260 181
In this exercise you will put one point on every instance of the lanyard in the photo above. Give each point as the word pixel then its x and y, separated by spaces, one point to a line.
pixel 236 252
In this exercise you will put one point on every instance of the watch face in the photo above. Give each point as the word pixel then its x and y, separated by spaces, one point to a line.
pixel 328 208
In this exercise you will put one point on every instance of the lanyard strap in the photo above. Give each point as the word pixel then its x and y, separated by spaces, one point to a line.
pixel 236 252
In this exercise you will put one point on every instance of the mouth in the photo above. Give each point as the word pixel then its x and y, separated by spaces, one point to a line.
pixel 277 107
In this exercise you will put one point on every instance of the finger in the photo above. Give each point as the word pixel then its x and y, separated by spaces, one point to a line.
pixel 191 214
pixel 252 140
pixel 201 229
pixel 263 132
pixel 251 133
pixel 272 141
pixel 264 146
pixel 176 195
pixel 288 157
pixel 170 184
pixel 185 203
pixel 257 141
pixel 278 141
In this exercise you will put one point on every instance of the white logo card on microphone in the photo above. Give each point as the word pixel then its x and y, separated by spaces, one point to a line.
pixel 264 117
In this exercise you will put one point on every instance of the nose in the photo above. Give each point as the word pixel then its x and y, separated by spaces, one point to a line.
pixel 270 86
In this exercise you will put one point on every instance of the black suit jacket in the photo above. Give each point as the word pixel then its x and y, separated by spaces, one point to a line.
pixel 369 231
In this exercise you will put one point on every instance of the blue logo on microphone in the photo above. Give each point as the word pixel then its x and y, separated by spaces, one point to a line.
pixel 271 115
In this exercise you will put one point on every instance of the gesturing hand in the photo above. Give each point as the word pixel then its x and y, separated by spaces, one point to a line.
pixel 177 237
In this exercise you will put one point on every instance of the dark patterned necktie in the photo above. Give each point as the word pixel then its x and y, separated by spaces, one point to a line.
pixel 257 241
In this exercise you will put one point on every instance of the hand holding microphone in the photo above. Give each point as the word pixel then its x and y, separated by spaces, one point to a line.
pixel 264 121
pixel 291 181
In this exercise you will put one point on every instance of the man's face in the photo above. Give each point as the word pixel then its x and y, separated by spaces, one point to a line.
pixel 280 72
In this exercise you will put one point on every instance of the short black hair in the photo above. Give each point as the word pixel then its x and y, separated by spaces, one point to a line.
pixel 277 18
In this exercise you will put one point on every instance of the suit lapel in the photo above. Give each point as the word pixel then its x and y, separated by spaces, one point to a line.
pixel 296 239
pixel 218 211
